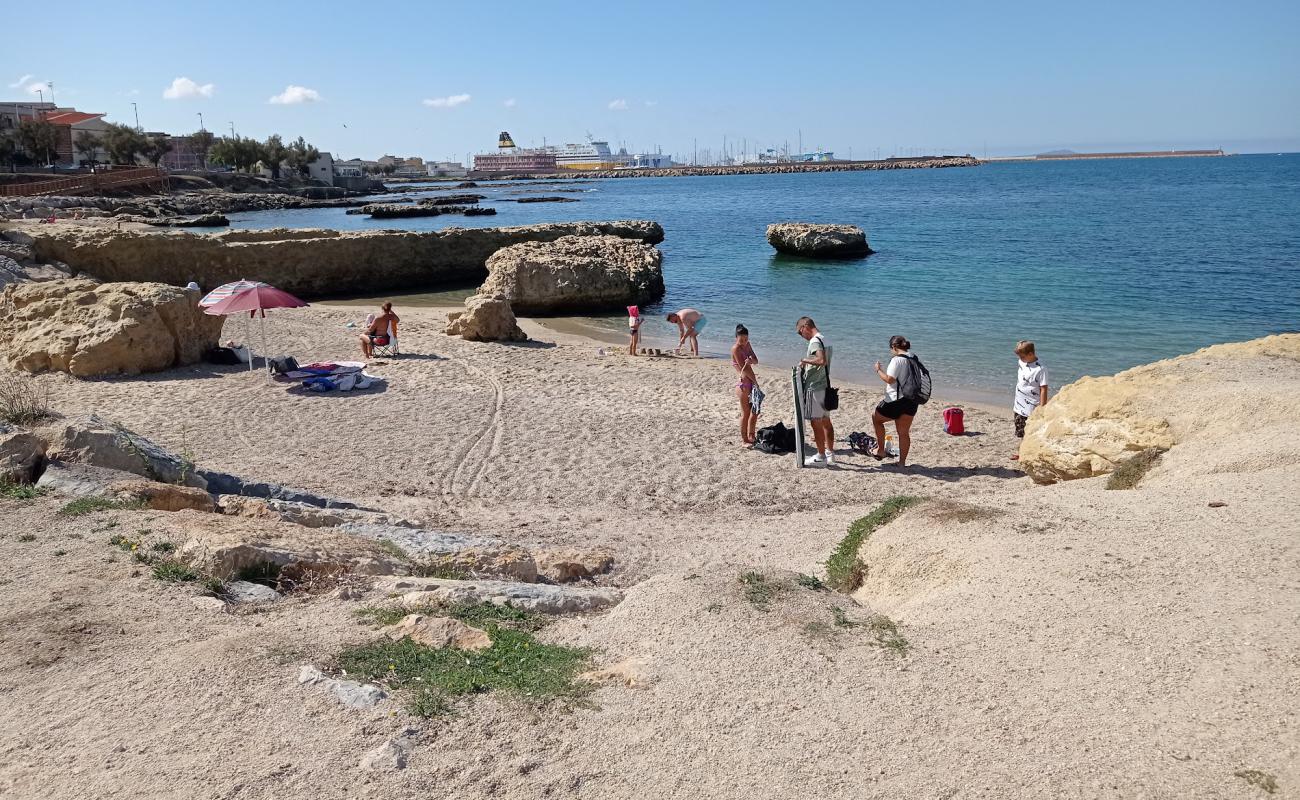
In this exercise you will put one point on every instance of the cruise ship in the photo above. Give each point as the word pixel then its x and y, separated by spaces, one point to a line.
pixel 512 160
pixel 592 155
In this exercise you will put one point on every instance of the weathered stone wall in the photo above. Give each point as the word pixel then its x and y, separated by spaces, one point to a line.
pixel 308 263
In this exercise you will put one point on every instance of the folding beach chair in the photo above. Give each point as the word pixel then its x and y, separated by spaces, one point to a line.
pixel 386 345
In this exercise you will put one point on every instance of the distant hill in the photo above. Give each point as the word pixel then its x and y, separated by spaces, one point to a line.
pixel 1058 153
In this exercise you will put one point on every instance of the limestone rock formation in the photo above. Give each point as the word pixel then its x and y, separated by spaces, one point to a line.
pixel 438 632
pixel 21 452
pixel 164 496
pixel 536 597
pixel 576 273
pixel 88 329
pixel 486 318
pixel 818 241
pixel 570 564
pixel 92 440
pixel 306 262
pixel 225 547
pixel 1094 424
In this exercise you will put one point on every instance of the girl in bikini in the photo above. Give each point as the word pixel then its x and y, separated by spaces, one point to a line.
pixel 743 359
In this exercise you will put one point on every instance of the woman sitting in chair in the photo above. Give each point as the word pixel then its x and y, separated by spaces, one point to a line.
pixel 380 331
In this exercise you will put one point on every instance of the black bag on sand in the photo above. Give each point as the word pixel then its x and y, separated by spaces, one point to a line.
pixel 283 364
pixel 774 439
pixel 222 355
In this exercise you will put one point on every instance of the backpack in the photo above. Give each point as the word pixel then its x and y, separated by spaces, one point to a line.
pixel 918 384
pixel 954 422
pixel 222 355
pixel 283 364
pixel 774 439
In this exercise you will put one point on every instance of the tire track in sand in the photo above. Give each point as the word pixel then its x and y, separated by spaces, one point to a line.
pixel 490 432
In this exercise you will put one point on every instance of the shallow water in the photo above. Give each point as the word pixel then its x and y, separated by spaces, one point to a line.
pixel 1105 264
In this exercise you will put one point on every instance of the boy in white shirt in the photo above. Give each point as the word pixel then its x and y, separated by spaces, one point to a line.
pixel 1031 387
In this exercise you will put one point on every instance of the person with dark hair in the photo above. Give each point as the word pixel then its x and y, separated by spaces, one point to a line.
pixel 816 380
pixel 743 360
pixel 898 406
pixel 689 323
pixel 380 330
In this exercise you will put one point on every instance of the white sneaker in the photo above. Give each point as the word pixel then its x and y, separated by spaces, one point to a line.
pixel 830 459
pixel 815 461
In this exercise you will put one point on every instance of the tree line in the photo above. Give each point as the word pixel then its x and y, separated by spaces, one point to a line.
pixel 35 141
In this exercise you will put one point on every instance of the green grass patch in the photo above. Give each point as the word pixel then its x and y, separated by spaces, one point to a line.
pixel 759 590
pixel 89 505
pixel 516 664
pixel 844 569
pixel 173 572
pixel 480 615
pixel 214 586
pixel 1130 473
pixel 886 634
pixel 810 582
pixel 1258 778
pixel 163 547
pixel 20 491
pixel 440 569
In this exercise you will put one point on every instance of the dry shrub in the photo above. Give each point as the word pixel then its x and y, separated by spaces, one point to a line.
pixel 23 400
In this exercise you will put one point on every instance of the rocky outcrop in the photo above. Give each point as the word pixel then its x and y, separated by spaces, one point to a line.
pixel 1095 424
pixel 91 440
pixel 305 262
pixel 576 273
pixel 21 454
pixel 163 496
pixel 227 547
pixel 568 564
pixel 818 241
pixel 201 221
pixel 535 597
pixel 438 632
pixel 486 318
pixel 89 329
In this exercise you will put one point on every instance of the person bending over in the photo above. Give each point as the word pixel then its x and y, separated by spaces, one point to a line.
pixel 689 323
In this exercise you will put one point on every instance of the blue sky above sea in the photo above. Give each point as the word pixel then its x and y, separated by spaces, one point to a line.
pixel 867 79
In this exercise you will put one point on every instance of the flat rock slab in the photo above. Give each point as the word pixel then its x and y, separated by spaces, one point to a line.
pixel 438 632
pixel 249 592
pixel 535 597
pixel 82 480
pixel 305 514
pixel 352 694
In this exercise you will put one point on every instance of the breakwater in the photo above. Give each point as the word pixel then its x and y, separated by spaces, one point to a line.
pixel 925 162
pixel 309 262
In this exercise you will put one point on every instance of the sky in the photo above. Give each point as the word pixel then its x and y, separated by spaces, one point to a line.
pixel 439 80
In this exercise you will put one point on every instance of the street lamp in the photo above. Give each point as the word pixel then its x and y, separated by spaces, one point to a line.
pixel 200 113
pixel 136 109
pixel 232 130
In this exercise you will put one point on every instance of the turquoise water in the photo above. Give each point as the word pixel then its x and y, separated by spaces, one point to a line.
pixel 1105 264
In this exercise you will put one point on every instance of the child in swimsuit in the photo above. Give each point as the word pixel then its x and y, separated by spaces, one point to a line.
pixel 743 359
pixel 633 329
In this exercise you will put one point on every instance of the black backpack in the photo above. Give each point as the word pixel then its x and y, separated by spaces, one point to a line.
pixel 283 364
pixel 918 386
pixel 222 355
pixel 774 439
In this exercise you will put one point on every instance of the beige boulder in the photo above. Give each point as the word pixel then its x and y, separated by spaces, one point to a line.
pixel 569 564
pixel 438 632
pixel 86 328
pixel 164 496
pixel 486 318
pixel 818 241
pixel 576 273
pixel 1095 424
pixel 225 546
pixel 90 439
pixel 21 452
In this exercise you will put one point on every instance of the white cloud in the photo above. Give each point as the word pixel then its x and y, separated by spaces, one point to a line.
pixel 295 95
pixel 618 105
pixel 450 101
pixel 21 82
pixel 509 103
pixel 651 103
pixel 184 88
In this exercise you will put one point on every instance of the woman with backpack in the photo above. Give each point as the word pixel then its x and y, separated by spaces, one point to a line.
pixel 902 385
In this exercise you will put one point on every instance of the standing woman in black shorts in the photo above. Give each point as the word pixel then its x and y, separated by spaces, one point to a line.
pixel 896 406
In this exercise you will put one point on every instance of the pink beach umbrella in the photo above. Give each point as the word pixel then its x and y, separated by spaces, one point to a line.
pixel 255 298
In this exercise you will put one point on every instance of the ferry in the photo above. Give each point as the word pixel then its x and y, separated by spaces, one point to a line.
pixel 592 155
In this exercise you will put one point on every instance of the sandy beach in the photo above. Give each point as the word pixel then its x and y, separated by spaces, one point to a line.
pixel 1061 641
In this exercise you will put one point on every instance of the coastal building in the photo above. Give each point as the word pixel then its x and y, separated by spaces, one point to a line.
pixel 445 169
pixel 13 113
pixel 645 161
pixel 184 155
pixel 70 127
pixel 322 169
pixel 354 168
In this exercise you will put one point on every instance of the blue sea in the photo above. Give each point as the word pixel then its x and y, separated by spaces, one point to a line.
pixel 1105 264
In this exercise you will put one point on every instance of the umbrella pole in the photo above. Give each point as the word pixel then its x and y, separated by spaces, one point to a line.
pixel 248 341
pixel 266 358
